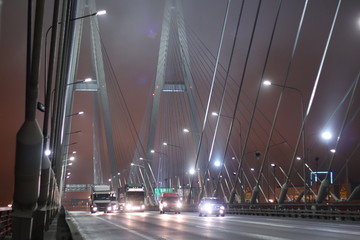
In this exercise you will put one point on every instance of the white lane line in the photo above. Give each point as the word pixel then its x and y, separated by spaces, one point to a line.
pixel 128 229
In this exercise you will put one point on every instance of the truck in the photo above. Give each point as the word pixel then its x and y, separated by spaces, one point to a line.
pixel 170 202
pixel 100 199
pixel 132 198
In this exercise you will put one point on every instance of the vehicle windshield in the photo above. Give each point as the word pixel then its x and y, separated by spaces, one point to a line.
pixel 171 199
pixel 213 201
pixel 101 196
pixel 135 196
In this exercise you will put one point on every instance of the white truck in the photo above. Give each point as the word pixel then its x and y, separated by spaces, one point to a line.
pixel 101 199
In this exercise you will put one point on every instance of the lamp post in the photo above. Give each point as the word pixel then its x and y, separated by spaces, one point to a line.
pixel 183 159
pixel 273 165
pixel 269 83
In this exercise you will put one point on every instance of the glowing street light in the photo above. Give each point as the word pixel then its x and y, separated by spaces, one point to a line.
pixel 186 130
pixel 217 163
pixel 192 171
pixel 73 114
pixel 100 12
pixel 267 83
pixel 326 135
pixel 47 152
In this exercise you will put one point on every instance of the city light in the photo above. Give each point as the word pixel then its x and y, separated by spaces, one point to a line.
pixel 101 12
pixel 186 130
pixel 326 135
pixel 267 83
pixel 47 152
pixel 217 163
pixel 192 171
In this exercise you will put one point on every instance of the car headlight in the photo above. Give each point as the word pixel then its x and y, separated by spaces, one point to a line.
pixel 207 207
pixel 114 207
pixel 109 208
pixel 222 208
pixel 94 208
pixel 179 204
pixel 128 206
pixel 143 206
pixel 164 204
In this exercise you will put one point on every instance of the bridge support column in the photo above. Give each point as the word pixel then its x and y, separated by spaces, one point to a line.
pixel 255 194
pixel 283 193
pixel 323 191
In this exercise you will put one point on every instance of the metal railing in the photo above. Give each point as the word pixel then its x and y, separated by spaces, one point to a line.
pixel 5 222
pixel 330 211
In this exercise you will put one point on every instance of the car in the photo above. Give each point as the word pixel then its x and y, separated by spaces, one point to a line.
pixel 211 206
pixel 170 202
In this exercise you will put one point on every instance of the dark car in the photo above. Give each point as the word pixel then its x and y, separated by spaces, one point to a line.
pixel 211 206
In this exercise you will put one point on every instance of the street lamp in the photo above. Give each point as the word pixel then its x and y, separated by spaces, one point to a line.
pixel 217 163
pixel 47 152
pixel 326 135
pixel 77 113
pixel 80 81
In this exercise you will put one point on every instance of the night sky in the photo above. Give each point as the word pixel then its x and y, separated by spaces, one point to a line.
pixel 131 33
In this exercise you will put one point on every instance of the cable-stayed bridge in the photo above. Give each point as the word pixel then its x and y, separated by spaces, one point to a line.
pixel 234 119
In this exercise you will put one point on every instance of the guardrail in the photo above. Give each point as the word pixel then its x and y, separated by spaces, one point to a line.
pixel 5 222
pixel 331 211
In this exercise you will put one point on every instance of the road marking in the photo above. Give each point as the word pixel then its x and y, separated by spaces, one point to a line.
pixel 128 229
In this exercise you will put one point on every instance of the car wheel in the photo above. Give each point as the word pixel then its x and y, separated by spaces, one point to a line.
pixel 217 215
pixel 223 215
pixel 200 215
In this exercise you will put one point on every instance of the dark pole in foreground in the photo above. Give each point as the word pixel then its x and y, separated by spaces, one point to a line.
pixel 29 142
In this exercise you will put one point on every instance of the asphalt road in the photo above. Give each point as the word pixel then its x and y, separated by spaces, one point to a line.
pixel 155 226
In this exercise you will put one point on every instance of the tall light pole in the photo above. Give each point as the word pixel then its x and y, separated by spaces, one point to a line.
pixel 183 160
pixel 269 83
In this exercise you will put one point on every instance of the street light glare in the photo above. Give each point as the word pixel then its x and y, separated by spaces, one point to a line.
pixel 132 164
pixel 47 152
pixel 192 171
pixel 87 80
pixel 332 150
pixel 81 113
pixel 217 163
pixel 214 114
pixel 165 143
pixel 267 83
pixel 273 165
pixel 101 12
pixel 152 150
pixel 72 158
pixel 326 135
pixel 298 158
pixel 186 130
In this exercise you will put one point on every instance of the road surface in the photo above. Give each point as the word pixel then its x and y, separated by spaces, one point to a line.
pixel 155 226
